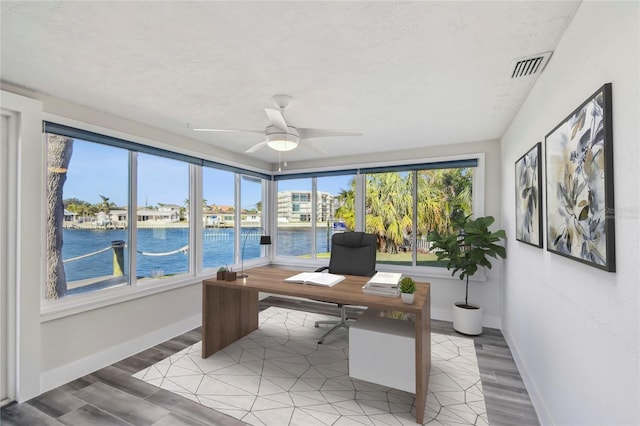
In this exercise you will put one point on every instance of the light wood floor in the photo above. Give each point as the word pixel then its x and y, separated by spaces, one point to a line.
pixel 110 396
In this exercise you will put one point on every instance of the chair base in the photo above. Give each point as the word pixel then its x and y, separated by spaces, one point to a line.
pixel 342 323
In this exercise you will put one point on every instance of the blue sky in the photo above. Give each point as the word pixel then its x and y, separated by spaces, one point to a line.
pixel 97 169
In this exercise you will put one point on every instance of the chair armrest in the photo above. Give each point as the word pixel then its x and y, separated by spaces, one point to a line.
pixel 321 269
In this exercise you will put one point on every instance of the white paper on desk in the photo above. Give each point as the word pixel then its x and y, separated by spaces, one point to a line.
pixel 385 279
pixel 316 278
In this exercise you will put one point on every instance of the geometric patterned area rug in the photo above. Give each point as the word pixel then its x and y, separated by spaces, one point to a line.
pixel 279 375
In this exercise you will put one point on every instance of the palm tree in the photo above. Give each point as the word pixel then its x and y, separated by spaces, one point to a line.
pixel 105 205
pixel 389 209
pixel 74 207
pixel 443 195
pixel 90 209
pixel 347 201
pixel 60 149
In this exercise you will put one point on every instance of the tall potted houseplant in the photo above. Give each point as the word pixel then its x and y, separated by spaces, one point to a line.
pixel 465 251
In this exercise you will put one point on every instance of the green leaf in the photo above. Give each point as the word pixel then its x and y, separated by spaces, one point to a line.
pixel 584 213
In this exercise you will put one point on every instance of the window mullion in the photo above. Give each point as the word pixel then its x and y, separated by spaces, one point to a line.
pixel 195 220
pixel 237 218
pixel 132 213
pixel 268 214
pixel 359 202
pixel 314 215
pixel 414 226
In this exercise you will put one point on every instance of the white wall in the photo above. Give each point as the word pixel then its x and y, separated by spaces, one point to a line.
pixel 79 344
pixel 575 329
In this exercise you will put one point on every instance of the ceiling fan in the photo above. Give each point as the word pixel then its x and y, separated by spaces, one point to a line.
pixel 281 136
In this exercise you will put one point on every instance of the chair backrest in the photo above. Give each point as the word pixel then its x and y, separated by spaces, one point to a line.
pixel 353 253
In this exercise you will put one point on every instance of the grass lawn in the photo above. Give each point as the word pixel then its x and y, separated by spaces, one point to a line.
pixel 404 258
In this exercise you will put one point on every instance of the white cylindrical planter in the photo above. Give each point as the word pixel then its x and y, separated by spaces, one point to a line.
pixel 467 321
pixel 407 297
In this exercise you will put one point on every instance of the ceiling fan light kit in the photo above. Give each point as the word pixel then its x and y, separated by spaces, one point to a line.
pixel 282 141
pixel 282 137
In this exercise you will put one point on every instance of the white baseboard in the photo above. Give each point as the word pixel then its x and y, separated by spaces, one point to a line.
pixel 59 376
pixel 544 415
pixel 446 314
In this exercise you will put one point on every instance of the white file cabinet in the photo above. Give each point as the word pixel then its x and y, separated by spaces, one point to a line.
pixel 382 351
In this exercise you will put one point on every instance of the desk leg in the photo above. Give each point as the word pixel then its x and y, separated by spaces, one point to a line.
pixel 423 359
pixel 227 315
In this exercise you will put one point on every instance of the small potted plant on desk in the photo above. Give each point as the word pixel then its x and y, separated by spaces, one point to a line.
pixel 465 251
pixel 407 289
pixel 222 273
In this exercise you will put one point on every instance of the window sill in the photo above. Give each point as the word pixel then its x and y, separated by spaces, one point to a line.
pixel 54 309
pixel 417 272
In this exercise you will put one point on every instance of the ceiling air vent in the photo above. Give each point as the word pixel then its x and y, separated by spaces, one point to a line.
pixel 530 65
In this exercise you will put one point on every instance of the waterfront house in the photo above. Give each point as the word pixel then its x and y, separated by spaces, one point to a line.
pixel 118 215
pixel 70 216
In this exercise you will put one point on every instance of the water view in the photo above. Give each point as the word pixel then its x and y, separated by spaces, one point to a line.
pixel 217 249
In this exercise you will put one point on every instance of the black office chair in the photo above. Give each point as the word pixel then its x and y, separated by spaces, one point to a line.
pixel 352 253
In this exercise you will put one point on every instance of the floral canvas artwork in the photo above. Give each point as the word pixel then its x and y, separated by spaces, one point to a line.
pixel 529 197
pixel 579 178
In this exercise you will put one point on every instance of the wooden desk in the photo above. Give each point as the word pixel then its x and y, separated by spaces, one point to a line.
pixel 230 312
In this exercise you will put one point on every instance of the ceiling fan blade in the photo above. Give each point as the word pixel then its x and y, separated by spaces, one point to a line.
pixel 256 147
pixel 276 118
pixel 260 132
pixel 312 146
pixel 323 133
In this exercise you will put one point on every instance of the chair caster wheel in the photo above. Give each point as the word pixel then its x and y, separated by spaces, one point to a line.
pixel 319 343
pixel 317 326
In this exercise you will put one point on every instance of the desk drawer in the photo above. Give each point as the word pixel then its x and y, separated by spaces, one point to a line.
pixel 382 351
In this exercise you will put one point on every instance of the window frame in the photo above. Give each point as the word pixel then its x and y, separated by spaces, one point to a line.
pixel 134 182
pixel 65 306
pixel 440 162
pixel 53 309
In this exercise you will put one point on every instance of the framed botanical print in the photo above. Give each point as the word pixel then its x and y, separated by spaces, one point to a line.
pixel 579 179
pixel 529 197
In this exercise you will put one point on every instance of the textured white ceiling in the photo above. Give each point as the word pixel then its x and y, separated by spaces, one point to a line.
pixel 407 74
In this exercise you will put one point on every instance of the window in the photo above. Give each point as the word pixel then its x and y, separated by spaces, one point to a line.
pixel 389 215
pixel 442 194
pixel 86 201
pixel 335 209
pixel 400 204
pixel 311 209
pixel 117 210
pixel 218 217
pixel 162 227
pixel 251 217
pixel 295 230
